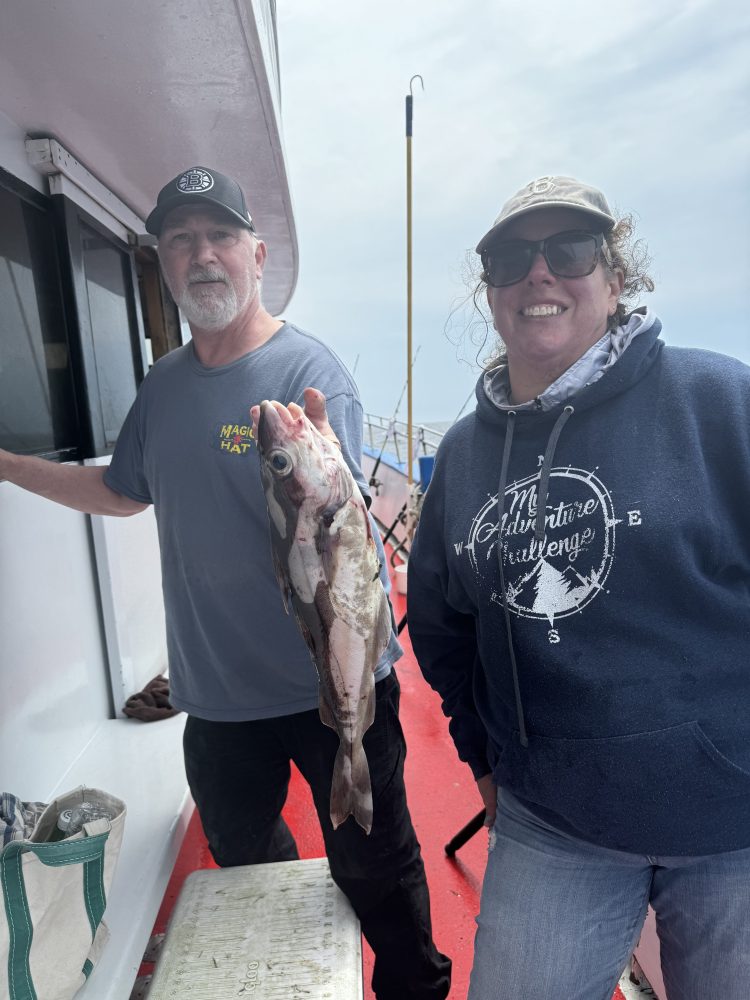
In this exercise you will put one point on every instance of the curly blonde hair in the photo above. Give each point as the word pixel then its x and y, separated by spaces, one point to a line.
pixel 631 257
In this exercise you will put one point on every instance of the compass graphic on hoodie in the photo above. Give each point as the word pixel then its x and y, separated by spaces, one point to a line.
pixel 565 570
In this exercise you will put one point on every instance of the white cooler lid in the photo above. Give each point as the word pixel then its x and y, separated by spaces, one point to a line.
pixel 270 932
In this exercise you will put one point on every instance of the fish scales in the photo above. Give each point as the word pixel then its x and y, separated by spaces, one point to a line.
pixel 328 570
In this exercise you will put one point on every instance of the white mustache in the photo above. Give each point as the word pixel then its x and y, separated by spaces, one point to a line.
pixel 208 274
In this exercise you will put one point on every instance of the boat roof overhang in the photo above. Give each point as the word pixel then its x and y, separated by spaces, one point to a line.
pixel 138 92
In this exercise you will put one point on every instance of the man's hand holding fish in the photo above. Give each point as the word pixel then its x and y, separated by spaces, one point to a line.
pixel 314 409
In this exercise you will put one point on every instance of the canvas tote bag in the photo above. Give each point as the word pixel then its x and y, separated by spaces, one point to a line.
pixel 53 900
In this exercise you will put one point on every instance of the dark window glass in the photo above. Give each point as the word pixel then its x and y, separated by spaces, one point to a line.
pixel 37 411
pixel 108 291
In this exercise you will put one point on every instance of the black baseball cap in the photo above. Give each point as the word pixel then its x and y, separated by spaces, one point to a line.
pixel 198 184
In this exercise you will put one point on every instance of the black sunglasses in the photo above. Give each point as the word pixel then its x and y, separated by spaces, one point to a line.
pixel 572 254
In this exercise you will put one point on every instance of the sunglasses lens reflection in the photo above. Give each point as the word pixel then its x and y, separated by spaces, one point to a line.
pixel 510 262
pixel 568 255
pixel 572 257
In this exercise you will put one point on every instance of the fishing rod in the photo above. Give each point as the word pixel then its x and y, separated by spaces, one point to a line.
pixel 409 115
pixel 401 516
pixel 468 400
pixel 391 422
pixel 401 519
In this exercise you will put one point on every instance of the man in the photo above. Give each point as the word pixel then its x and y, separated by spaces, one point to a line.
pixel 238 665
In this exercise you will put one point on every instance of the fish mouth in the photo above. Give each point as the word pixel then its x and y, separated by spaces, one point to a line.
pixel 276 427
pixel 269 425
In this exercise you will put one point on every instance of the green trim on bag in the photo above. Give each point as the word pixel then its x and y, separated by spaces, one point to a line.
pixel 89 851
pixel 20 930
pixel 93 891
pixel 67 852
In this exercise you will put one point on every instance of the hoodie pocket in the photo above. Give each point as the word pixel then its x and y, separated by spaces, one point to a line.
pixel 670 791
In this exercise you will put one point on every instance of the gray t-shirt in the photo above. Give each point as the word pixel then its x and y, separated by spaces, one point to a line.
pixel 187 447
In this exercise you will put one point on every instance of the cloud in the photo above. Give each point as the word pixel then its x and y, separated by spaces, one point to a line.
pixel 647 101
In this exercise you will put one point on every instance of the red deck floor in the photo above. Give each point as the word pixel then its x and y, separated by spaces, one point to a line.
pixel 442 796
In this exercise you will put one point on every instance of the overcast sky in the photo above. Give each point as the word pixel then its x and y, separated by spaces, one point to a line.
pixel 646 100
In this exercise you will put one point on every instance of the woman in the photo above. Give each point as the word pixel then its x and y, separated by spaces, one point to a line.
pixel 595 662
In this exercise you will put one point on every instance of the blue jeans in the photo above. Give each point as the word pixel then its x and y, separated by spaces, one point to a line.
pixel 239 775
pixel 560 917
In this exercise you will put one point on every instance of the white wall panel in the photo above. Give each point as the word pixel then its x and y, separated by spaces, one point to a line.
pixel 54 688
pixel 127 559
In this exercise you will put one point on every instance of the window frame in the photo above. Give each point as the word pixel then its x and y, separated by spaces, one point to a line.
pixel 70 216
pixel 45 204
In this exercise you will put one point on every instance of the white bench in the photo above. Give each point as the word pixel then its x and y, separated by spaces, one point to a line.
pixel 142 764
pixel 270 932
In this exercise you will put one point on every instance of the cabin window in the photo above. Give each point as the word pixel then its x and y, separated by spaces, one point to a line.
pixel 161 319
pixel 37 407
pixel 107 308
pixel 106 271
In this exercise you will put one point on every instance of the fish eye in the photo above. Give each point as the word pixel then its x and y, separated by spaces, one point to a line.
pixel 280 462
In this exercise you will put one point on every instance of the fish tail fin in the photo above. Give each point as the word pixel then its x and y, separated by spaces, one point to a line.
pixel 351 792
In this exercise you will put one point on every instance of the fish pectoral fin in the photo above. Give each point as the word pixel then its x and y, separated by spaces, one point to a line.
pixel 344 483
pixel 384 625
pixel 369 711
pixel 283 580
pixel 329 513
pixel 324 710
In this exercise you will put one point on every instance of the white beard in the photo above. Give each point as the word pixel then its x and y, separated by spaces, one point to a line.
pixel 212 309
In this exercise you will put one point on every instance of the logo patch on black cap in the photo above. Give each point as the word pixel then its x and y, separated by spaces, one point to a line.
pixel 195 181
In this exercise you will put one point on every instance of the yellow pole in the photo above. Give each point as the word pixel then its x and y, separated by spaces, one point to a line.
pixel 409 429
pixel 409 425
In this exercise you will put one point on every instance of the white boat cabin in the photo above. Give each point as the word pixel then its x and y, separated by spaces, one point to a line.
pixel 100 105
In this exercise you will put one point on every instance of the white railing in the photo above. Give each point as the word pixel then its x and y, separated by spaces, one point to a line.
pixel 392 436
pixel 394 506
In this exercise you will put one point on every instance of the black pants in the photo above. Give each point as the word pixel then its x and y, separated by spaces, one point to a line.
pixel 239 777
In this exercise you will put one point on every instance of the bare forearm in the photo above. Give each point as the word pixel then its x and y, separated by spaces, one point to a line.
pixel 80 487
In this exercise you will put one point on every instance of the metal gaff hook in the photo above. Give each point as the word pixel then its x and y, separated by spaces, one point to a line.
pixel 410 102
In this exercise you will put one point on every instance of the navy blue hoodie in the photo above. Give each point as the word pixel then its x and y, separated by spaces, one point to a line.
pixel 625 719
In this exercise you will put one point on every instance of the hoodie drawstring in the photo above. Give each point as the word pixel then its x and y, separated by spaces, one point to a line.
pixel 541 503
pixel 539 532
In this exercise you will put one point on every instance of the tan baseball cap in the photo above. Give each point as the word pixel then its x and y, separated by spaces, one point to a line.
pixel 551 192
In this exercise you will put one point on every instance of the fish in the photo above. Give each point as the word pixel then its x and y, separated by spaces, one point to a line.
pixel 328 568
